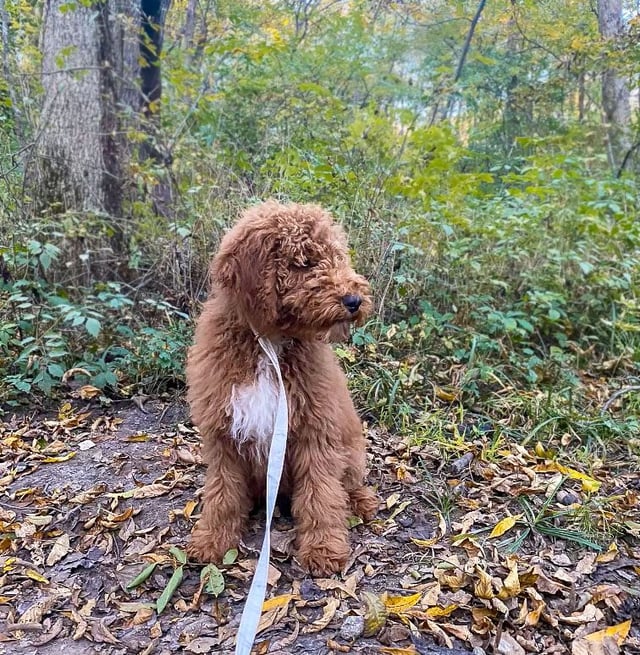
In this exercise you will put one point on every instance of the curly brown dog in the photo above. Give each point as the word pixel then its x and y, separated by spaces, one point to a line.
pixel 281 272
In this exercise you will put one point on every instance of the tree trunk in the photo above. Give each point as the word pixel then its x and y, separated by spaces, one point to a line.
pixel 100 79
pixel 80 150
pixel 615 92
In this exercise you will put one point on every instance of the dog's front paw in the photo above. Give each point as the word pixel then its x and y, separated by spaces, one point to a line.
pixel 364 503
pixel 323 555
pixel 210 546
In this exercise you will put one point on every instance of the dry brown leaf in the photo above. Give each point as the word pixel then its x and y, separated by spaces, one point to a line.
pixel 202 645
pixel 589 613
pixel 511 584
pixel 509 646
pixel 483 587
pixel 101 633
pixel 461 632
pixel 59 550
pixel 87 391
pixel 604 641
pixel 398 651
pixel 441 636
pixel 327 584
pixel 610 555
pixel 328 612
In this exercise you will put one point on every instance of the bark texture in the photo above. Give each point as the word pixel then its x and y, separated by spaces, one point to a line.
pixel 89 58
pixel 615 92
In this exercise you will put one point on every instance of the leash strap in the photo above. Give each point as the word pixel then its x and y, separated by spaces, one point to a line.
pixel 253 606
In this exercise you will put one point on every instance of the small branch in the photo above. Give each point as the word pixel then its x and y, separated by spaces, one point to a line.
pixel 626 158
pixel 616 395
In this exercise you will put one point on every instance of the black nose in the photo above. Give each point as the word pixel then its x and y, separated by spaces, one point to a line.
pixel 352 303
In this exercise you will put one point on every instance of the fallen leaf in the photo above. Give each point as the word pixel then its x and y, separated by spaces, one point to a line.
pixel 439 612
pixel 504 525
pixel 169 590
pixel 59 550
pixel 375 613
pixel 34 575
pixel 509 646
pixel 328 612
pixel 400 604
pixel 202 645
pixel 277 601
pixel 483 587
pixel 609 556
pixel 619 632
pixel 60 458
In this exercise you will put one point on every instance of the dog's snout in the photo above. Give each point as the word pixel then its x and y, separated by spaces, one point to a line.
pixel 352 302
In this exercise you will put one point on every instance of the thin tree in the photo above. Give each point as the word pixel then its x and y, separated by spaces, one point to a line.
pixel 615 91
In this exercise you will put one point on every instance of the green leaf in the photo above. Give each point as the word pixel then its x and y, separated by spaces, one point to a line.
pixel 214 579
pixel 142 576
pixel 56 371
pixel 230 556
pixel 92 326
pixel 179 554
pixel 169 590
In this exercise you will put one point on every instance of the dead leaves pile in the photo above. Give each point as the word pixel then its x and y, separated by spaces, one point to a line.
pixel 95 514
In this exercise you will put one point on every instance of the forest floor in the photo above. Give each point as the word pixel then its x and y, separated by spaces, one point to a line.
pixel 459 560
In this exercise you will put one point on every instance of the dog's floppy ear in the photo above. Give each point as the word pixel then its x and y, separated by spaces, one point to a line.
pixel 245 268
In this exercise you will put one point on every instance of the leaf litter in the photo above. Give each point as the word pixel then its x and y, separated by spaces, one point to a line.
pixel 485 559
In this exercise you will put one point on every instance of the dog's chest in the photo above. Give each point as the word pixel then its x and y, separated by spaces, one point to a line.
pixel 252 408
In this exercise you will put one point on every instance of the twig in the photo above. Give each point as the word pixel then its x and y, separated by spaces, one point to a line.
pixel 617 394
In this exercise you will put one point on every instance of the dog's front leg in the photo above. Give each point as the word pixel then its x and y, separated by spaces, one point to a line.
pixel 226 503
pixel 320 509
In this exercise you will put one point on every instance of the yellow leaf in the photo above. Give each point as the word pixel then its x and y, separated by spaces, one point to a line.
pixel 437 612
pixel 425 543
pixel 392 500
pixel 59 458
pixel 34 575
pixel 447 396
pixel 503 526
pixel 375 613
pixel 610 555
pixel 189 507
pixel 400 604
pixel 511 584
pixel 399 651
pixel 138 438
pixel 483 587
pixel 619 632
pixel 277 601
pixel 588 483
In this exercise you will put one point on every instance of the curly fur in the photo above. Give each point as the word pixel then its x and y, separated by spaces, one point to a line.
pixel 282 271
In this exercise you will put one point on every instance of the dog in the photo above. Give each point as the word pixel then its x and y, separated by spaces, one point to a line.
pixel 282 273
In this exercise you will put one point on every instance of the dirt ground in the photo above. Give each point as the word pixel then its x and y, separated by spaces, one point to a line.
pixel 90 497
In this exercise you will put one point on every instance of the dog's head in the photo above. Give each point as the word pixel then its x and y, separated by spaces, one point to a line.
pixel 286 270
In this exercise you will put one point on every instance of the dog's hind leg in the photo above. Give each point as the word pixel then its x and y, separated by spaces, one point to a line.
pixel 226 503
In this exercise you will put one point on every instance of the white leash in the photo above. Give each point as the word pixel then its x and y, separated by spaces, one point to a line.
pixel 253 606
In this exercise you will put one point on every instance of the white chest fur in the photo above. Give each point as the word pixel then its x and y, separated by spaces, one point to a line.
pixel 252 408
